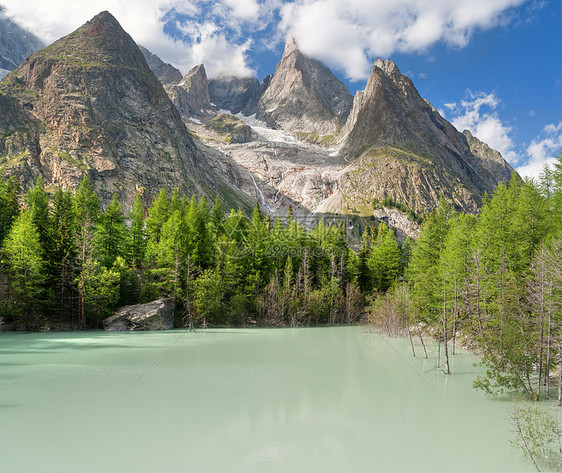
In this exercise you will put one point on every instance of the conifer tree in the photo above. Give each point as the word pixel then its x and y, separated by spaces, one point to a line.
pixel 24 257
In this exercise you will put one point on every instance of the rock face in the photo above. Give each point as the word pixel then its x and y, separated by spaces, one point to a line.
pixel 15 43
pixel 234 93
pixel 89 105
pixel 405 150
pixel 156 315
pixel 304 96
pixel 166 73
pixel 191 95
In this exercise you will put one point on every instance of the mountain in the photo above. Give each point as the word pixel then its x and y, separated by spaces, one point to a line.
pixel 166 73
pixel 191 95
pixel 15 43
pixel 89 105
pixel 236 94
pixel 304 97
pixel 403 149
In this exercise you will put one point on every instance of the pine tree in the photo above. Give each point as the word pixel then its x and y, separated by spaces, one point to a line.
pixel 86 211
pixel 62 252
pixel 24 255
pixel 111 234
pixel 137 234
pixel 9 205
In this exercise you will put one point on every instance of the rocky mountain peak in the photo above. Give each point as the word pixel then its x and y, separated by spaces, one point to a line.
pixel 413 153
pixel 89 105
pixel 387 66
pixel 291 46
pixel 237 94
pixel 100 41
pixel 191 95
pixel 304 96
pixel 196 77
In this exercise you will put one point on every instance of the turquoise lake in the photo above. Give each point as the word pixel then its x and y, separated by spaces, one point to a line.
pixel 315 400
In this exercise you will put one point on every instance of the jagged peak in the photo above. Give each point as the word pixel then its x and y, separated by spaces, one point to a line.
pixel 291 46
pixel 196 73
pixel 102 23
pixel 388 66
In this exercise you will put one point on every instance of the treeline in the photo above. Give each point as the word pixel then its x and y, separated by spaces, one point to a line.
pixel 494 279
pixel 68 264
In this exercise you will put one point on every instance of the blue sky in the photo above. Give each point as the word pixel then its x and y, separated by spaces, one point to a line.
pixel 492 66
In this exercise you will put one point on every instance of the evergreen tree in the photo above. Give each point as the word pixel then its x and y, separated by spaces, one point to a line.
pixel 111 234
pixel 24 257
pixel 86 211
pixel 62 252
pixel 9 205
pixel 137 234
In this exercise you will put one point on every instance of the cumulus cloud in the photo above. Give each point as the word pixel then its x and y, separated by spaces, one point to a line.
pixel 478 114
pixel 346 35
pixel 542 150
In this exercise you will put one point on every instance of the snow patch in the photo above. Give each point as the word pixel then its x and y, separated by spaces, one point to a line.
pixel 265 133
pixel 194 120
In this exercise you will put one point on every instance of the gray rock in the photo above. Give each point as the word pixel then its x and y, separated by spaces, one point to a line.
pixel 304 96
pixel 156 315
pixel 232 93
pixel 166 73
pixel 191 95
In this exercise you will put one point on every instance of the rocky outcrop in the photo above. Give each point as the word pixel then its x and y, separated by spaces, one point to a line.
pixel 232 129
pixel 303 96
pixel 191 95
pixel 166 73
pixel 234 93
pixel 15 43
pixel 488 158
pixel 89 105
pixel 156 315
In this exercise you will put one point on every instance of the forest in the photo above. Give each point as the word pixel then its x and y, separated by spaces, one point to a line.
pixel 67 264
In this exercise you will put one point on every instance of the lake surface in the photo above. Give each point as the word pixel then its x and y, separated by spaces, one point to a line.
pixel 315 400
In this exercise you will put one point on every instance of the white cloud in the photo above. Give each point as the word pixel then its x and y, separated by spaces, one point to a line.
pixel 348 35
pixel 211 47
pixel 542 150
pixel 478 114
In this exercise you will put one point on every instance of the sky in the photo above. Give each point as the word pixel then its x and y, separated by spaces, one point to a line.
pixel 491 66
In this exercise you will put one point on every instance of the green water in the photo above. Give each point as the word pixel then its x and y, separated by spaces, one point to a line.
pixel 288 400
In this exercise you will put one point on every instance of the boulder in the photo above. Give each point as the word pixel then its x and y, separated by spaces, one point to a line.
pixel 156 315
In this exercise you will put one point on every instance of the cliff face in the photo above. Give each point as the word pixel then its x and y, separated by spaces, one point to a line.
pixel 89 104
pixel 166 73
pixel 191 95
pixel 303 96
pixel 234 93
